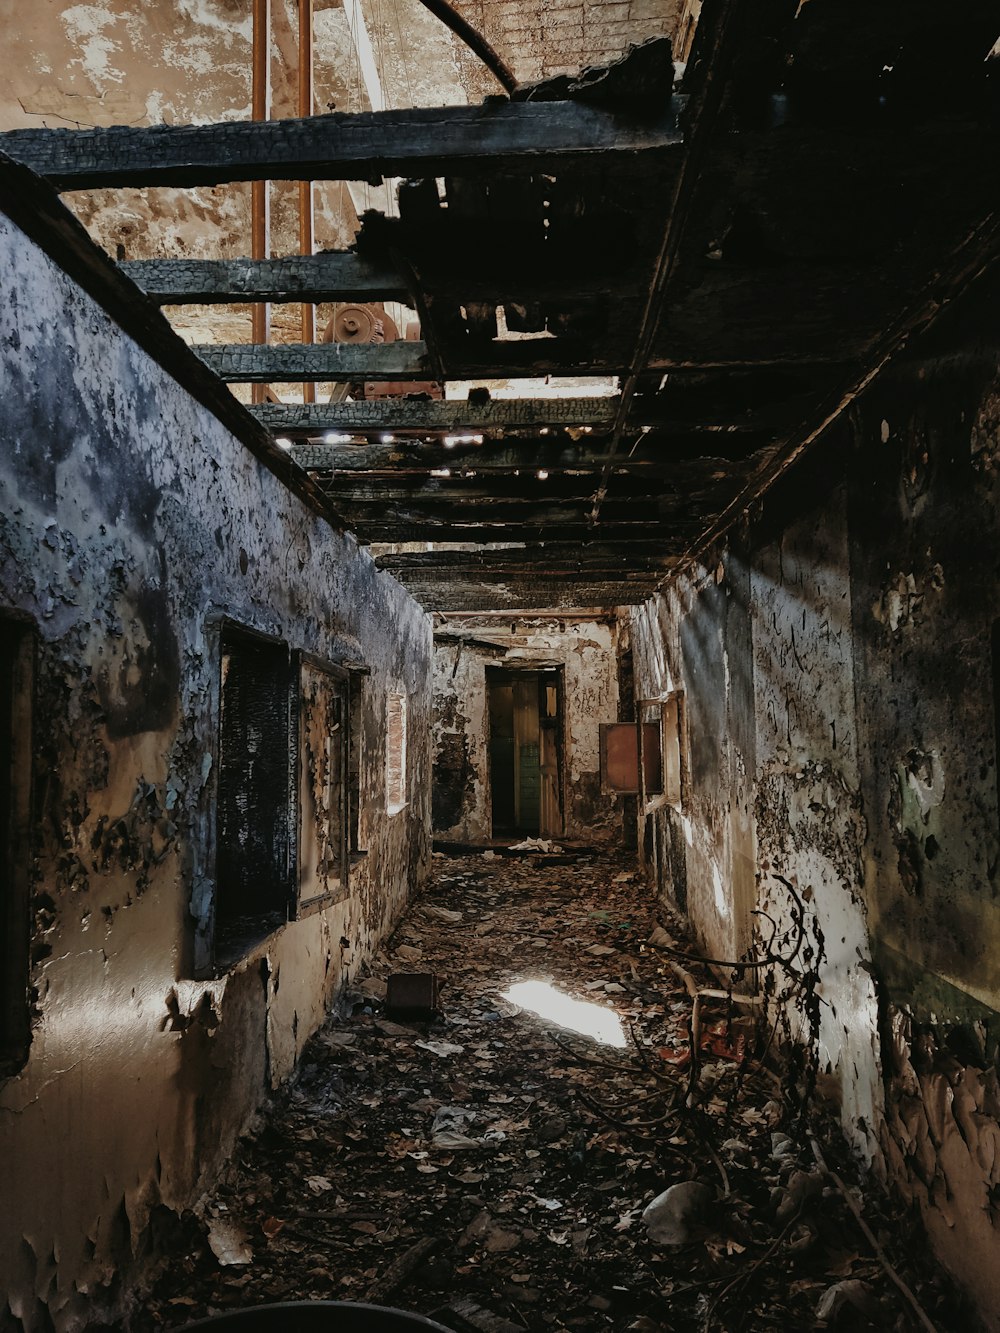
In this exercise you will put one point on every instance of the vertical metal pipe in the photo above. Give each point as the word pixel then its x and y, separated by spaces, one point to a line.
pixel 306 187
pixel 260 198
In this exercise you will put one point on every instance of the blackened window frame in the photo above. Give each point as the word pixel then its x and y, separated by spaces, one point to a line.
pixel 303 905
pixel 234 935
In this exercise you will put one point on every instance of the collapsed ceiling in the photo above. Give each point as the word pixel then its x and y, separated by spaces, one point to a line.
pixel 641 291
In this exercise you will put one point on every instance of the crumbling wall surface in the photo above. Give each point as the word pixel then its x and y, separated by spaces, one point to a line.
pixel 586 650
pixel 809 815
pixel 874 608
pixel 131 523
pixel 695 638
pixel 926 608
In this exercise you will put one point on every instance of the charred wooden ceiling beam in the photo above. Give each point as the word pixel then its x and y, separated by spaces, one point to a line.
pixel 250 363
pixel 343 276
pixel 446 564
pixel 659 453
pixel 438 501
pixel 674 536
pixel 512 137
pixel 501 417
pixel 543 596
pixel 347 276
pixel 255 363
pixel 548 555
pixel 295 420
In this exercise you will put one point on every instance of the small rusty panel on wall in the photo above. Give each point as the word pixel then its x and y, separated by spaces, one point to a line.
pixel 322 783
pixel 620 757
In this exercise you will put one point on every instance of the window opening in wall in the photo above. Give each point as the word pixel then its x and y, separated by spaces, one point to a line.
pixel 356 694
pixel 323 742
pixel 525 719
pixel 17 657
pixel 395 777
pixel 254 825
pixel 288 797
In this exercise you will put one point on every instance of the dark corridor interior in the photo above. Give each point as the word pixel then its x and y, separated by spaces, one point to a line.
pixel 525 751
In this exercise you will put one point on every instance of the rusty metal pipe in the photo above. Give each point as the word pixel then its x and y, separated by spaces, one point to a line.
pixel 474 40
pixel 260 209
pixel 306 220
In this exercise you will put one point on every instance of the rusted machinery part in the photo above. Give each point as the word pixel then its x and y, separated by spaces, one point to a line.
pixel 357 323
pixel 474 40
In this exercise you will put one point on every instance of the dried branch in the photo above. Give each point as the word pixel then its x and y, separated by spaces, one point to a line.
pixel 872 1240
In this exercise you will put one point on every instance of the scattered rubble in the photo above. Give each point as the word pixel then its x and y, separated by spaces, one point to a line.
pixel 496 1172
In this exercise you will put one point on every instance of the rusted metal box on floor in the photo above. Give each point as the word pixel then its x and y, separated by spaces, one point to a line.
pixel 412 995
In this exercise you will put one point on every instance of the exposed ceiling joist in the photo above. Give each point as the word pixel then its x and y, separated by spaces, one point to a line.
pixel 446 564
pixel 251 363
pixel 296 420
pixel 539 596
pixel 344 276
pixel 513 137
pixel 349 276
pixel 674 537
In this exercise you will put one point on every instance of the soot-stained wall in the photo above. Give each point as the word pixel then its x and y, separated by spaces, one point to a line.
pixel 586 652
pixel 132 524
pixel 840 667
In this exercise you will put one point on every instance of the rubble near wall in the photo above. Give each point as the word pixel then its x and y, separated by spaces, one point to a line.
pixel 586 652
pixel 848 742
pixel 132 523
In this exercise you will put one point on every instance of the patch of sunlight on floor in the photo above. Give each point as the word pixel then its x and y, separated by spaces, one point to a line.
pixel 591 1020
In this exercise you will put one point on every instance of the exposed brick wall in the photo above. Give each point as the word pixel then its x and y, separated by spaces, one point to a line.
pixel 539 39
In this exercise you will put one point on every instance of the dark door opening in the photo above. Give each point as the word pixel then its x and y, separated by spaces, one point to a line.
pixel 525 712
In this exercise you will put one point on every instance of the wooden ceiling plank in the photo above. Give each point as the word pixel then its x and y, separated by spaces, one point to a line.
pixel 252 363
pixel 295 420
pixel 524 137
pixel 342 276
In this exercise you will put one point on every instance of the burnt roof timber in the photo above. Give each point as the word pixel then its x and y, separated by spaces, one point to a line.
pixel 498 416
pixel 381 414
pixel 251 363
pixel 535 561
pixel 548 555
pixel 542 597
pixel 342 276
pixel 347 276
pixel 512 137
pixel 673 537
pixel 260 363
pixel 437 499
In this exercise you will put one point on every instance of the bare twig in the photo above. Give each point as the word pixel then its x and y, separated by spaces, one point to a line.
pixel 400 1269
pixel 890 1272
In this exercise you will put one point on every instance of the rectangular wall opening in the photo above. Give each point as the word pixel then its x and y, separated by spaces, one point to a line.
pixel 324 784
pixel 525 722
pixel 253 849
pixel 395 760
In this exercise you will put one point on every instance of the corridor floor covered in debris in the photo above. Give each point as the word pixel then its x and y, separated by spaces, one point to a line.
pixel 494 1169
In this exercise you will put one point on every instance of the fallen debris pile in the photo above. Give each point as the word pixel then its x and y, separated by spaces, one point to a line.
pixel 499 1172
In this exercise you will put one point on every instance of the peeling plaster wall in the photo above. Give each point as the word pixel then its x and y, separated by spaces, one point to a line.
pixel 695 638
pixel 809 815
pixel 926 607
pixel 131 522
pixel 868 772
pixel 587 652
